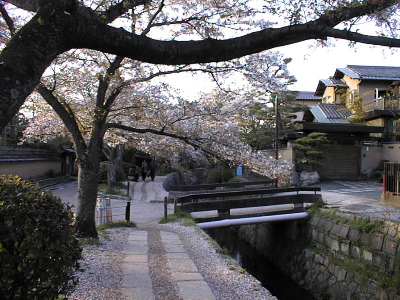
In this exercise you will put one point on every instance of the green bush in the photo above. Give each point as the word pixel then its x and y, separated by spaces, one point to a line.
pixel 219 175
pixel 103 173
pixel 38 250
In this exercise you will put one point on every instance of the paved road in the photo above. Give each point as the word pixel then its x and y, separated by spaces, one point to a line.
pixel 146 200
pixel 358 197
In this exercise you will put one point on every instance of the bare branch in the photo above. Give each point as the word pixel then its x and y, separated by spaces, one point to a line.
pixel 7 18
pixel 149 26
pixel 119 9
pixel 66 114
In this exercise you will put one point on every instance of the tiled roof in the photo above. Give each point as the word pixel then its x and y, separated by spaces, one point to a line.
pixel 335 111
pixel 372 72
pixel 302 95
pixel 331 81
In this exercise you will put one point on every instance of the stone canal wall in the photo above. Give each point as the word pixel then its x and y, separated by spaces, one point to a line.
pixel 334 257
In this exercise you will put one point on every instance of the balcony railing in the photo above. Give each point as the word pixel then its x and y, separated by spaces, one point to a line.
pixel 383 103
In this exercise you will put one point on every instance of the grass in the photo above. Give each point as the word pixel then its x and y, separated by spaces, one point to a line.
pixel 118 224
pixel 103 231
pixel 361 223
pixel 182 217
pixel 117 190
pixel 89 242
pixel 364 272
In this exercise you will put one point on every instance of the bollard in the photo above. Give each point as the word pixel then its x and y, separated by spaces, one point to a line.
pixel 165 208
pixel 128 211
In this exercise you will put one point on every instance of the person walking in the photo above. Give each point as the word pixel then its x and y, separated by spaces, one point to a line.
pixel 153 167
pixel 144 170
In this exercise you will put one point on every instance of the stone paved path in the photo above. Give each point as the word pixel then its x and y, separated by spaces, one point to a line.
pixel 179 271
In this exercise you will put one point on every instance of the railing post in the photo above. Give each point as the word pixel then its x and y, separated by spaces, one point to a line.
pixel 224 212
pixel 175 205
pixel 128 211
pixel 165 208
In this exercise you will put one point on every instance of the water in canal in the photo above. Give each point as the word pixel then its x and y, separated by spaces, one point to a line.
pixel 280 285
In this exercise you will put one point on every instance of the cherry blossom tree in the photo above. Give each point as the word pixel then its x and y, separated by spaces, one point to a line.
pixel 154 32
pixel 57 26
pixel 101 98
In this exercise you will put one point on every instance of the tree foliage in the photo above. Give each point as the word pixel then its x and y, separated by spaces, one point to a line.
pixel 13 133
pixel 108 99
pixel 311 146
pixel 181 32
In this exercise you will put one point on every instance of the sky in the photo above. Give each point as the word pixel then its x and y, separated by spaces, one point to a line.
pixel 309 65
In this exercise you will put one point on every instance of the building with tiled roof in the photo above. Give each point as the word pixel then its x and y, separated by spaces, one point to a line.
pixel 367 83
pixel 307 98
pixel 366 94
pixel 373 89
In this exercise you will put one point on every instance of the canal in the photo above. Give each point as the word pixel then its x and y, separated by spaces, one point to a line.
pixel 273 279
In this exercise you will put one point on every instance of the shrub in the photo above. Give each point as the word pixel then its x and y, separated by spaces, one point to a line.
pixel 103 172
pixel 219 175
pixel 38 249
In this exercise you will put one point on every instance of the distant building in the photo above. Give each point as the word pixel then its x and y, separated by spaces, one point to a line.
pixel 369 94
pixel 307 98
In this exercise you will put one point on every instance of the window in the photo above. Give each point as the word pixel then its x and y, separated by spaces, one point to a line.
pixel 380 93
pixel 338 97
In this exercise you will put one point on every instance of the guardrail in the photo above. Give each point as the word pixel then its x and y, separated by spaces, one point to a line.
pixel 214 186
pixel 224 201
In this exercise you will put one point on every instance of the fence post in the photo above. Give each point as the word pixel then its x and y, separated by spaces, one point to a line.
pixel 128 211
pixel 165 208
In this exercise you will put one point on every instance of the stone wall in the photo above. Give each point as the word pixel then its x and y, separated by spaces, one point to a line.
pixel 331 259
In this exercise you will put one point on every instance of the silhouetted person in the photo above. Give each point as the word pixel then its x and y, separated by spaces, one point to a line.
pixel 153 167
pixel 144 170
pixel 133 173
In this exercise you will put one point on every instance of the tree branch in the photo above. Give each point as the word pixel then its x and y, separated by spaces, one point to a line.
pixel 7 18
pixel 62 25
pixel 119 9
pixel 104 82
pixel 194 143
pixel 145 49
pixel 66 115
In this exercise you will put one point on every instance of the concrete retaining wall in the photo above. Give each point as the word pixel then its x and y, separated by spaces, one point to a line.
pixel 330 259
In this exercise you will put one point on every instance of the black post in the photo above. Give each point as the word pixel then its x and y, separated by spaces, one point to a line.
pixel 276 136
pixel 165 208
pixel 129 183
pixel 128 211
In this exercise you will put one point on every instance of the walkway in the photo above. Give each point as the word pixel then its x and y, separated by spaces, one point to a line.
pixel 150 247
pixel 147 209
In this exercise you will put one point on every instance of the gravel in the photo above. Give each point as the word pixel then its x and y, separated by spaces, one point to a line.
pixel 226 278
pixel 101 274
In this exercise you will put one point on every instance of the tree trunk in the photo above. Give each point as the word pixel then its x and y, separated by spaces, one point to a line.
pixel 112 172
pixel 115 162
pixel 87 197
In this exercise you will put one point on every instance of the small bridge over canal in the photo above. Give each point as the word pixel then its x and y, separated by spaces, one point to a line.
pixel 245 202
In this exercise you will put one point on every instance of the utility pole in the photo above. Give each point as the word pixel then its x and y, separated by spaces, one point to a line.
pixel 276 137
